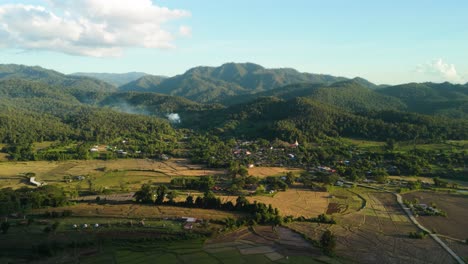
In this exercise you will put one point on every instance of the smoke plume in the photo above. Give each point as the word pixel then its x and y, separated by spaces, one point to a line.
pixel 174 118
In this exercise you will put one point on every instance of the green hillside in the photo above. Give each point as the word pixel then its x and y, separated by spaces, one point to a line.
pixel 142 84
pixel 53 78
pixel 307 119
pixel 431 98
pixel 350 95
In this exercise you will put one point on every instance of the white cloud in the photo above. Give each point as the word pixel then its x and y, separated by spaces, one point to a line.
pixel 185 31
pixel 98 28
pixel 441 71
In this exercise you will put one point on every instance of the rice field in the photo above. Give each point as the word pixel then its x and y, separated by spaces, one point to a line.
pixel 138 211
pixel 295 202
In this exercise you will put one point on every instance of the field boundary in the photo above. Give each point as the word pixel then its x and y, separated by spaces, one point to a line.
pixel 364 201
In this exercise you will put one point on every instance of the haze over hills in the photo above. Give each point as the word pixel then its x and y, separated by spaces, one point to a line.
pixel 116 79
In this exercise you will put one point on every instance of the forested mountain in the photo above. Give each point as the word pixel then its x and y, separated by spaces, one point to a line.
pixel 33 110
pixel 350 95
pixel 53 78
pixel 142 84
pixel 21 88
pixel 39 104
pixel 307 119
pixel 212 84
pixel 116 79
pixel 432 98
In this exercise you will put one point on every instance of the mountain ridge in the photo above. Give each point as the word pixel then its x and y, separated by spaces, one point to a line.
pixel 212 84
pixel 116 79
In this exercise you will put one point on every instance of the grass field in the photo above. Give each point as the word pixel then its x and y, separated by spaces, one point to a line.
pixel 262 172
pixel 118 175
pixel 345 201
pixel 450 145
pixel 123 174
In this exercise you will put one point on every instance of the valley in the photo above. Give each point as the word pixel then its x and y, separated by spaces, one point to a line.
pixel 229 164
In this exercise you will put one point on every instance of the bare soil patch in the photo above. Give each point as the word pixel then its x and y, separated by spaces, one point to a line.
pixel 334 208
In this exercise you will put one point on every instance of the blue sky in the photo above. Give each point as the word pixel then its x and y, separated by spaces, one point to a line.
pixel 382 41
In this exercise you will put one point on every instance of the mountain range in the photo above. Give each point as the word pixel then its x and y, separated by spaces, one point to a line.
pixel 241 100
pixel 212 84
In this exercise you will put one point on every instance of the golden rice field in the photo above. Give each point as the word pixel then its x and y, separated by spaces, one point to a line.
pixel 295 202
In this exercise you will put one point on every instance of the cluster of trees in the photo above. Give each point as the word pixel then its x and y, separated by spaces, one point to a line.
pixel 417 235
pixel 275 183
pixel 203 184
pixel 12 201
pixel 328 242
pixel 161 195
pixel 322 218
pixel 440 183
pixel 210 150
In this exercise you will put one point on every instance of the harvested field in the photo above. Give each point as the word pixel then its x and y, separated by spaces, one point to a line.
pixel 377 234
pixel 460 247
pixel 140 211
pixel 384 227
pixel 456 206
pixel 295 202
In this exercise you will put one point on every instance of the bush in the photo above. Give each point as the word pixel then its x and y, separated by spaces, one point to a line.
pixel 47 229
pixel 66 213
pixel 417 235
pixel 328 242
pixel 5 226
pixel 45 249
